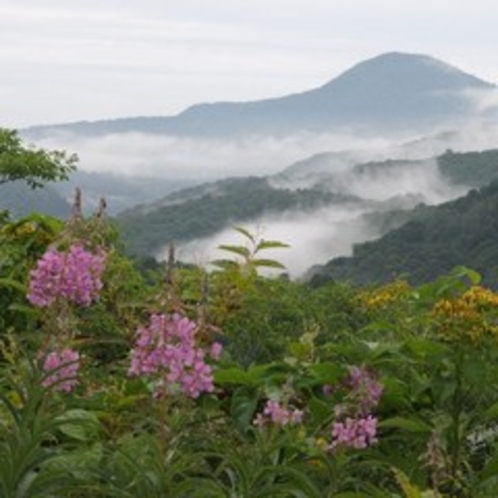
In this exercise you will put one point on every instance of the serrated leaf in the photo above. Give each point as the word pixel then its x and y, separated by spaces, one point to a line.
pixel 239 250
pixel 225 264
pixel 271 244
pixel 268 263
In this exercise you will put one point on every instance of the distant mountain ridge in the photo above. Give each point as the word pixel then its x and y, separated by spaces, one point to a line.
pixel 390 92
pixel 433 241
pixel 20 200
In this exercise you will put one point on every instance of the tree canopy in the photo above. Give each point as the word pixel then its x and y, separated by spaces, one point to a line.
pixel 33 165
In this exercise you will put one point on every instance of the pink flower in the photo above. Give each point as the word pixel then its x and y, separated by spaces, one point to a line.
pixel 365 389
pixel 277 415
pixel 65 367
pixel 74 275
pixel 354 432
pixel 215 351
pixel 167 349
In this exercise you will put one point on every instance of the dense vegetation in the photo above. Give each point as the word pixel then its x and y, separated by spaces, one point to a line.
pixel 475 169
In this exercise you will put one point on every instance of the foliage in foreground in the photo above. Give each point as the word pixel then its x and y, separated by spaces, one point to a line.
pixel 183 382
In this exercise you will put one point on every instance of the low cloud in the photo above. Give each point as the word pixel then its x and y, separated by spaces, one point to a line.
pixel 201 159
pixel 311 239
pixel 315 238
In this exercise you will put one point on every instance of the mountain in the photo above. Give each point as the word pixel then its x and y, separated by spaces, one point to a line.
pixel 390 93
pixel 434 241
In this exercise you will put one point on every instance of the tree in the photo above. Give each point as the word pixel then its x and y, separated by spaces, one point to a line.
pixel 32 165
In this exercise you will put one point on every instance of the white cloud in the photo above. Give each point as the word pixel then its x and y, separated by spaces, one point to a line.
pixel 202 159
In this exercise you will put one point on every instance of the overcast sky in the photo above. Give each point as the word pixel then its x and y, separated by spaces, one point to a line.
pixel 67 61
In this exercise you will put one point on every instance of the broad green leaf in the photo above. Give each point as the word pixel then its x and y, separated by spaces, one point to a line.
pixel 253 376
pixel 244 402
pixel 408 424
pixel 78 424
pixel 326 373
pixel 320 410
pixel 463 271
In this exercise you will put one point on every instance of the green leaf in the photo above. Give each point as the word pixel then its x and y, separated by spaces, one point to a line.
pixel 245 233
pixel 407 424
pixel 13 284
pixel 326 373
pixel 78 424
pixel 463 271
pixel 491 412
pixel 244 402
pixel 491 468
pixel 225 264
pixel 23 308
pixel 475 371
pixel 271 244
pixel 320 410
pixel 240 250
pixel 254 376
pixel 267 263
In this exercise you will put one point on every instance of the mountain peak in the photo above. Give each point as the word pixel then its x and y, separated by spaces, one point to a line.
pixel 413 71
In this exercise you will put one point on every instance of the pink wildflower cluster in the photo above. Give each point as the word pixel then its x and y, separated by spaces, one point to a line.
pixel 356 427
pixel 64 366
pixel 276 414
pixel 167 346
pixel 74 275
pixel 355 432
pixel 366 390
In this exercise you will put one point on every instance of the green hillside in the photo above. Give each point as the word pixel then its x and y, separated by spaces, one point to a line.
pixel 435 240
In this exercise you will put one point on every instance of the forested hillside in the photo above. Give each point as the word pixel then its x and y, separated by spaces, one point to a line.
pixel 383 192
pixel 435 240
pixel 199 214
